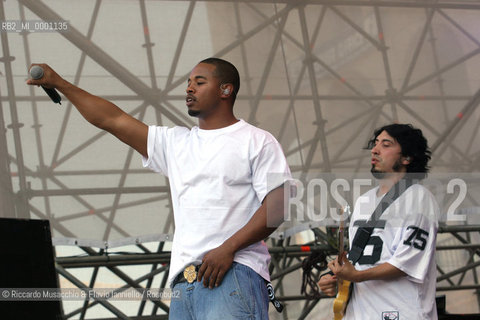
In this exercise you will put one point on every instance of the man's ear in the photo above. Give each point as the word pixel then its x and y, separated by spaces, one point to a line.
pixel 406 160
pixel 227 89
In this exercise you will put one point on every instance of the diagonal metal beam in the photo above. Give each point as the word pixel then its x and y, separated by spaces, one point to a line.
pixel 379 45
pixel 320 121
pixel 121 184
pixel 441 70
pixel 455 125
pixel 152 273
pixel 22 210
pixel 104 60
pixel 268 67
pixel 243 50
pixel 76 80
pixel 427 125
pixel 107 305
pixel 386 63
pixel 236 43
pixel 292 96
pixel 445 4
pixel 418 48
pixel 181 42
pixel 460 28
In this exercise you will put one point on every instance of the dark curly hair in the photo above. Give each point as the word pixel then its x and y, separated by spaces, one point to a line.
pixel 225 72
pixel 413 144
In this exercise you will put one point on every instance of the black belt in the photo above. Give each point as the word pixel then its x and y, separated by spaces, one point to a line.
pixel 189 274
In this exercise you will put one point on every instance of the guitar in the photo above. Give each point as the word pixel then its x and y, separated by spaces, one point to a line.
pixel 343 291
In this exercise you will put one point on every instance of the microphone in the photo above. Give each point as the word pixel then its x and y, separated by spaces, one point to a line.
pixel 36 72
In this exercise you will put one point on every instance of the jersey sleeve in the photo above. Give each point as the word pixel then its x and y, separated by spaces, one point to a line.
pixel 157 144
pixel 416 241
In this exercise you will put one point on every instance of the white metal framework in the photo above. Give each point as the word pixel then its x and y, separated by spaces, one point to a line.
pixel 320 75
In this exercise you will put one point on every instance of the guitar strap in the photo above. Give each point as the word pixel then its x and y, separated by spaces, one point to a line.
pixel 362 236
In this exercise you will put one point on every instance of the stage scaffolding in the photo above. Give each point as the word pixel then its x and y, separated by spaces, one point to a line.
pixel 320 75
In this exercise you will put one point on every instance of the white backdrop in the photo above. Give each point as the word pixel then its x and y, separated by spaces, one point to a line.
pixel 319 77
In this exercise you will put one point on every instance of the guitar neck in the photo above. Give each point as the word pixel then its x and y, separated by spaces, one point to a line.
pixel 341 231
pixel 341 237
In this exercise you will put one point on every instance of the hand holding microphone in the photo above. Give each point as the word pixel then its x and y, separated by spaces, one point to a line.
pixel 37 73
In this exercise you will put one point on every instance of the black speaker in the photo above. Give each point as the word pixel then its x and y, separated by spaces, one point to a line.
pixel 27 262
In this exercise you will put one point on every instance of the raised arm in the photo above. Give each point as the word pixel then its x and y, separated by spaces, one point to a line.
pixel 98 111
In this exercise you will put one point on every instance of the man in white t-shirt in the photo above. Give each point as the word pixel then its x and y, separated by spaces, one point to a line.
pixel 394 276
pixel 218 179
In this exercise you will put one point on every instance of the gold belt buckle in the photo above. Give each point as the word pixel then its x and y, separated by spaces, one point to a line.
pixel 190 273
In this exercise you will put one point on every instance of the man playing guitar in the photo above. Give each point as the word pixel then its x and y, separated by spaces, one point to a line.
pixel 394 276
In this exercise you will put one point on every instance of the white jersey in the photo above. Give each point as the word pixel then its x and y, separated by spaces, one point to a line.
pixel 404 238
pixel 218 179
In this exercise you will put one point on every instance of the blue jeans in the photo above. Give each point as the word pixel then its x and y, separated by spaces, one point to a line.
pixel 241 295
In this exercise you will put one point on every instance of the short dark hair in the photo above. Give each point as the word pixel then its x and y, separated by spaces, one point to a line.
pixel 413 144
pixel 225 72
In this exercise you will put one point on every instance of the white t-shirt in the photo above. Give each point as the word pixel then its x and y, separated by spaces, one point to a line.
pixel 406 241
pixel 218 179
